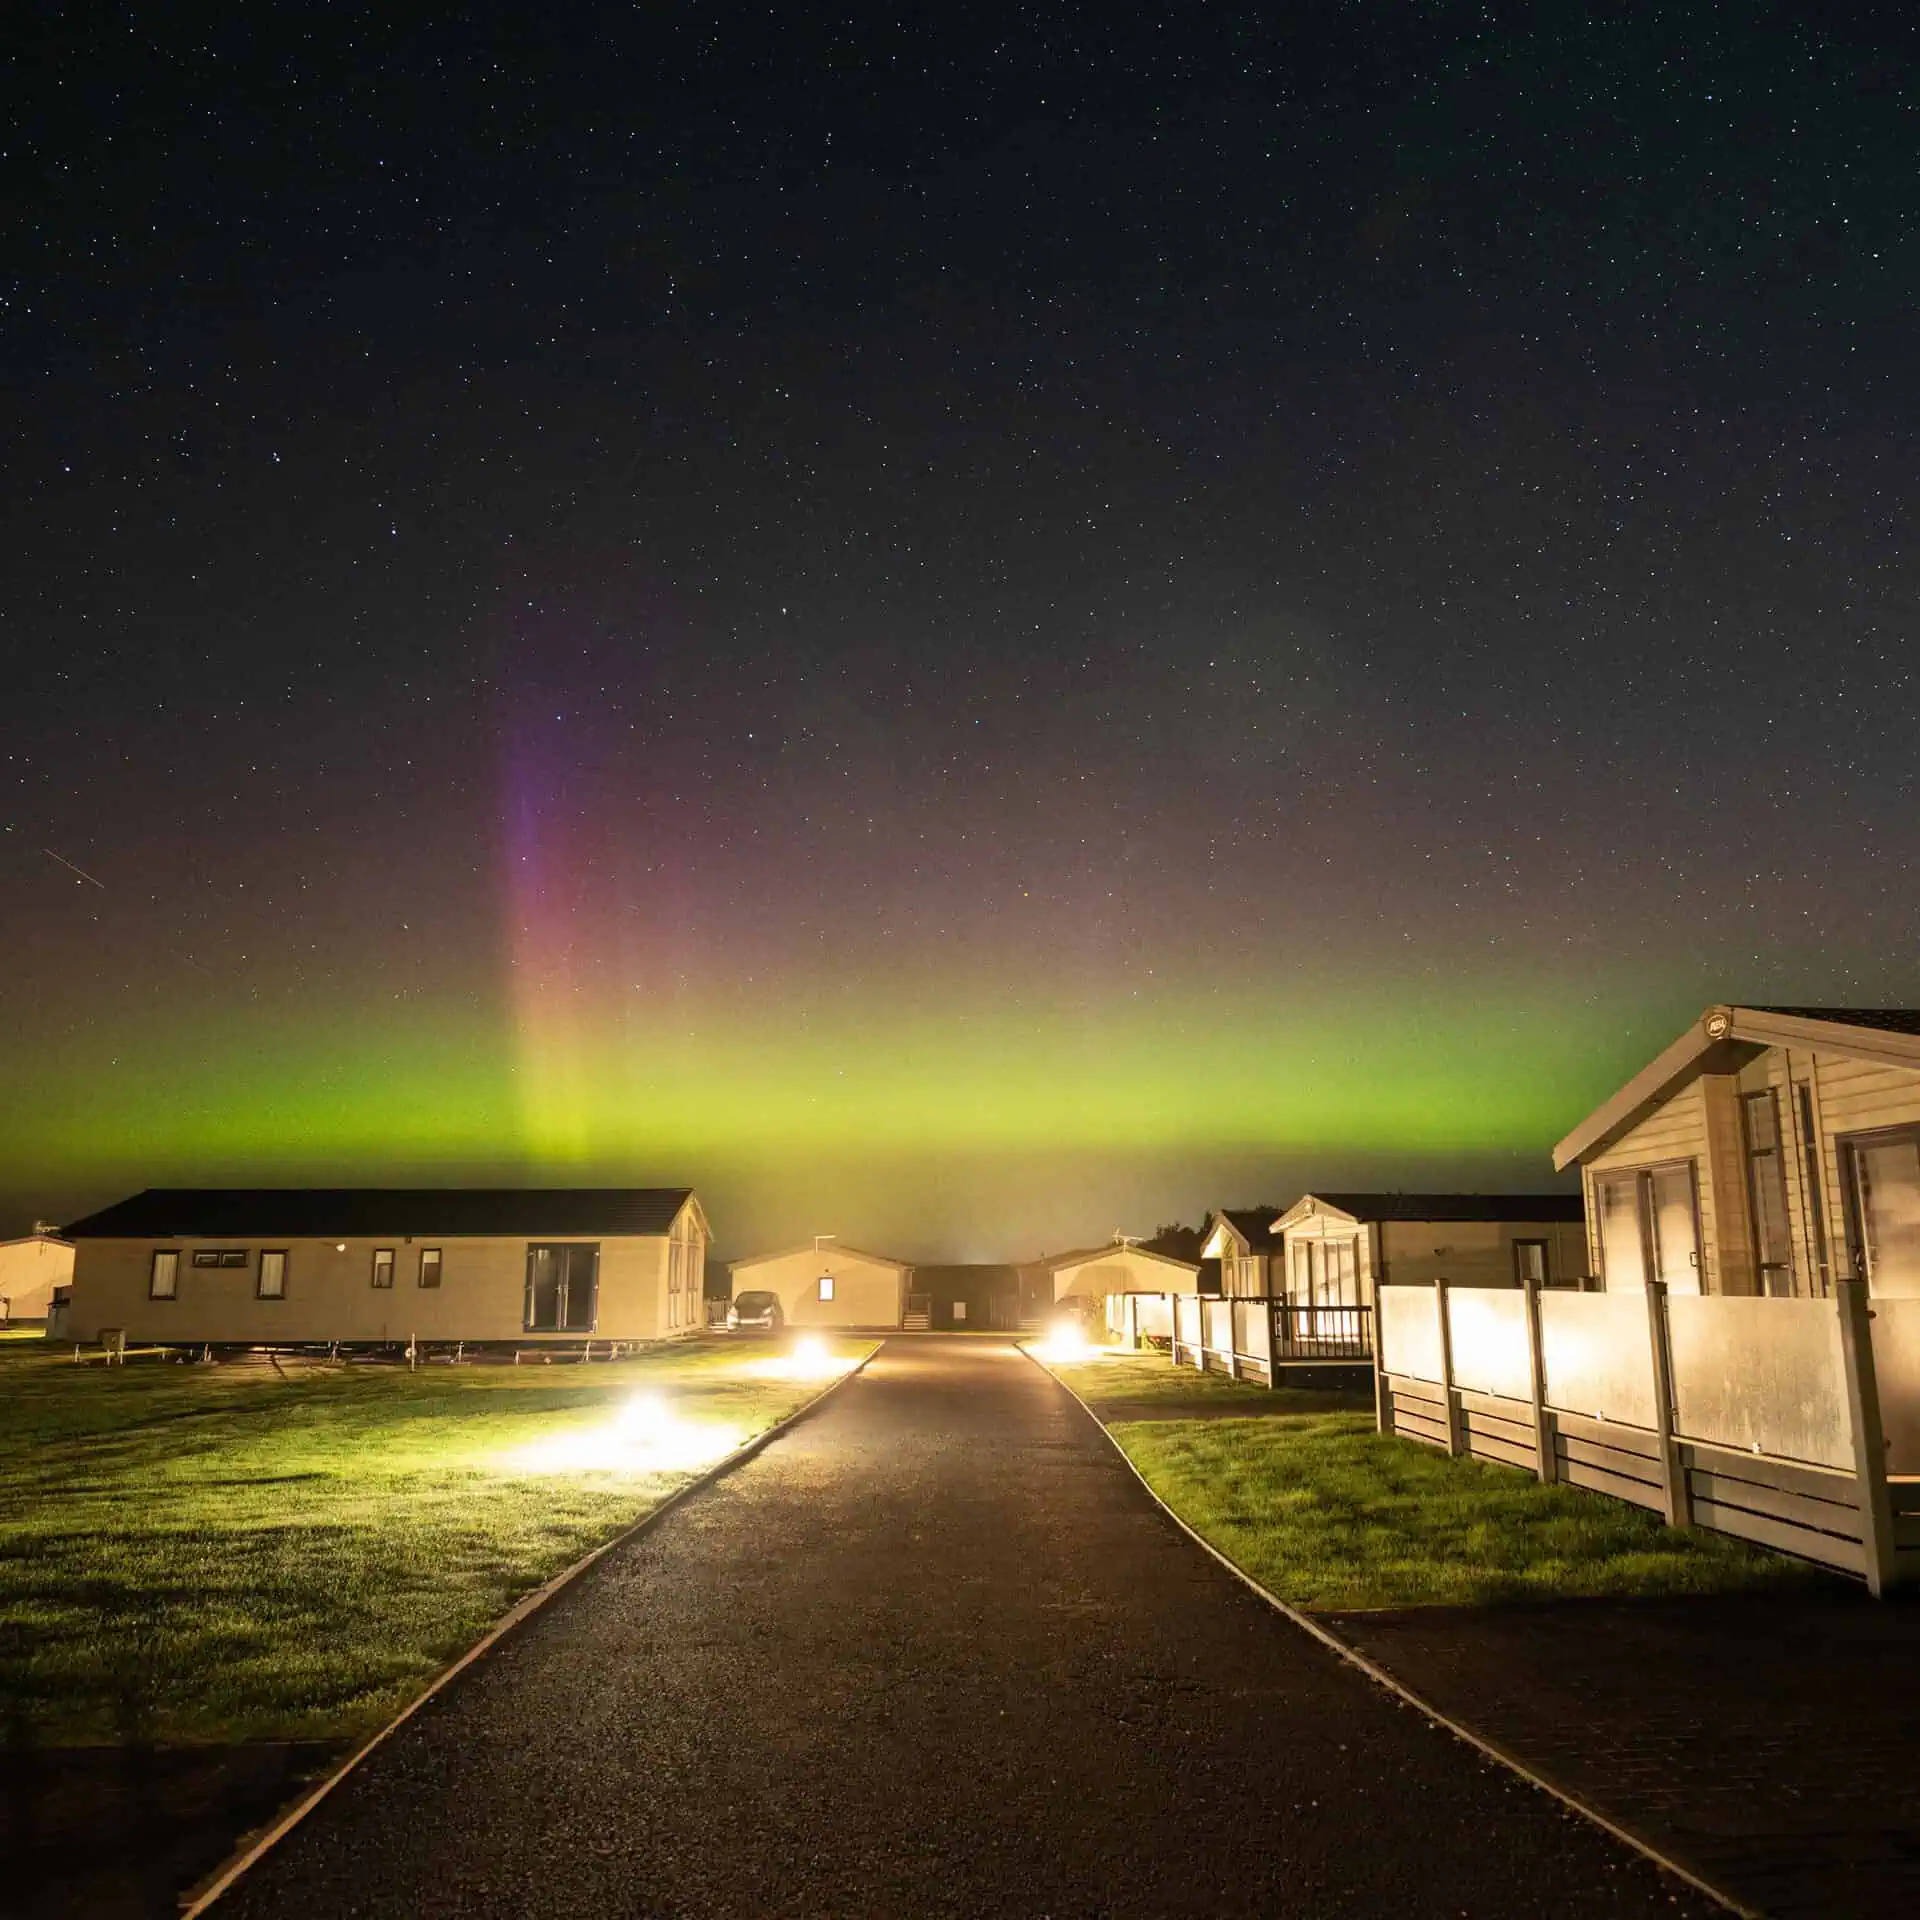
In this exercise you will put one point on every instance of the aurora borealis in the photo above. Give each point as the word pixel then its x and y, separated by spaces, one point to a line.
pixel 964 632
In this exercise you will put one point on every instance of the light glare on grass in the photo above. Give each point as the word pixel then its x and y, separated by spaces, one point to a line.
pixel 645 1436
pixel 809 1358
pixel 1065 1343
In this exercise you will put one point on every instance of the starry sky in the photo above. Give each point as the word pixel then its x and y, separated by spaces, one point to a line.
pixel 966 630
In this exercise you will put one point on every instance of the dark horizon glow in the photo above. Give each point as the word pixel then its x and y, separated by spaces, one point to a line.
pixel 965 633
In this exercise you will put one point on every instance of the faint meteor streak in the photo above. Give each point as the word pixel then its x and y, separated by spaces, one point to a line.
pixel 68 864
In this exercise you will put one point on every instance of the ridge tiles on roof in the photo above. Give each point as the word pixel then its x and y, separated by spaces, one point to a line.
pixel 1879 1019
pixel 1455 1206
pixel 299 1213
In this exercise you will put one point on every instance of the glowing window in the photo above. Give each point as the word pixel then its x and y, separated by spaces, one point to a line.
pixel 383 1266
pixel 163 1280
pixel 272 1281
pixel 429 1266
pixel 826 1286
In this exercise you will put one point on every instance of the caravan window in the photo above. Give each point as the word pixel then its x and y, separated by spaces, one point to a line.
pixel 1767 1191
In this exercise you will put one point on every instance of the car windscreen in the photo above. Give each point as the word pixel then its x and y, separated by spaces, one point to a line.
pixel 752 1302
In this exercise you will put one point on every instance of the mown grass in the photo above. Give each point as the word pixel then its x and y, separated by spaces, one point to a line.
pixel 1150 1379
pixel 193 1553
pixel 1330 1515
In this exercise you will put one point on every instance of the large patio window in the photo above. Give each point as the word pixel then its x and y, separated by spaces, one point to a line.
pixel 563 1286
pixel 1648 1223
pixel 1884 1174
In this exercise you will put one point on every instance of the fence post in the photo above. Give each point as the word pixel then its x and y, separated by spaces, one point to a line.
pixel 1272 1309
pixel 1233 1338
pixel 1451 1404
pixel 1546 1466
pixel 1131 1313
pixel 1382 1400
pixel 1200 1331
pixel 1672 1473
pixel 1869 1436
pixel 1173 1328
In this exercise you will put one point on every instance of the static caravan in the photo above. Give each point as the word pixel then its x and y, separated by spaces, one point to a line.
pixel 1098 1273
pixel 376 1266
pixel 30 1268
pixel 1100 1282
pixel 1751 1363
pixel 1252 1260
pixel 825 1284
pixel 1338 1247
pixel 1768 1150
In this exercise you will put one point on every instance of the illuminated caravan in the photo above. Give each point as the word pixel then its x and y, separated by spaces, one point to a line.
pixel 1099 1279
pixel 1121 1267
pixel 1769 1150
pixel 1338 1247
pixel 30 1269
pixel 1249 1251
pixel 823 1284
pixel 380 1266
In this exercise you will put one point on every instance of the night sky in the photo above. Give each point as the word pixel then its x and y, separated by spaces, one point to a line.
pixel 965 630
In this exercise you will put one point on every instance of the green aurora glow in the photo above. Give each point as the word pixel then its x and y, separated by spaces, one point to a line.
pixel 838 1086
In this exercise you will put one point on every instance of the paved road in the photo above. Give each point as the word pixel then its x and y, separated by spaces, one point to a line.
pixel 933 1653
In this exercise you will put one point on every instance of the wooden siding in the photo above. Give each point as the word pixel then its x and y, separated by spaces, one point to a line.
pixel 1676 1130
pixel 1851 1096
pixel 29 1272
pixel 1116 1270
pixel 1479 1253
pixel 1366 1258
pixel 330 1295
pixel 1702 1123
pixel 866 1292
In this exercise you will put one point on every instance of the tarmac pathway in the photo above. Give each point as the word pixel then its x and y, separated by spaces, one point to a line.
pixel 932 1653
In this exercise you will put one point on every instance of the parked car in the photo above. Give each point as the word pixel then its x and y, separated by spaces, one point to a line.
pixel 754 1312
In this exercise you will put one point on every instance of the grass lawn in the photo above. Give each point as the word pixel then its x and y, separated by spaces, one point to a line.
pixel 193 1553
pixel 1151 1379
pixel 1330 1515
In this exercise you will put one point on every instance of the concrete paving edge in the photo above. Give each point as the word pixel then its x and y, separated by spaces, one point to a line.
pixel 198 1899
pixel 1381 1677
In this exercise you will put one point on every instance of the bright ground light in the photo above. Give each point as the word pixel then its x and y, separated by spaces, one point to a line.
pixel 645 1436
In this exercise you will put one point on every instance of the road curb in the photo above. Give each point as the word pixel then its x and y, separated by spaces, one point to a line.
pixel 1401 1691
pixel 196 1900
